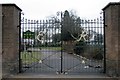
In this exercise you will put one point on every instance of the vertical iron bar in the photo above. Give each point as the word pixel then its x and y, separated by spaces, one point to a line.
pixel 104 43
pixel 61 45
pixel 97 39
pixel 25 27
pixel 40 28
pixel 20 64
pixel 34 70
pixel 102 38
pixel 31 40
pixel 36 52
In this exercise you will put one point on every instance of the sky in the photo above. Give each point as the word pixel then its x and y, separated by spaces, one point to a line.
pixel 42 9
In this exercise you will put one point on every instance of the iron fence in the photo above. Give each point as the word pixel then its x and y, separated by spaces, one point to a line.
pixel 62 46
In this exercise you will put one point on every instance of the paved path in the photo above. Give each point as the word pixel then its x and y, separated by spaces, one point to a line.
pixel 71 64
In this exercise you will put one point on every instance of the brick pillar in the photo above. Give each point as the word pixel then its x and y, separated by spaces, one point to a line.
pixel 0 42
pixel 112 38
pixel 10 39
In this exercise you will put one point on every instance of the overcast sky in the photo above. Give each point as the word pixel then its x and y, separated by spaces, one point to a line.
pixel 40 9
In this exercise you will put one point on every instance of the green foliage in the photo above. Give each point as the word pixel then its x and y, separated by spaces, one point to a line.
pixel 80 47
pixel 30 57
pixel 70 25
pixel 52 48
pixel 98 52
pixel 28 35
pixel 56 37
pixel 99 38
pixel 94 51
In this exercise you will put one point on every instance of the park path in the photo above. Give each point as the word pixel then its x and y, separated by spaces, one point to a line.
pixel 71 64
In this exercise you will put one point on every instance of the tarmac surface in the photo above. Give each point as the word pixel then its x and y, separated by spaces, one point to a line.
pixel 51 62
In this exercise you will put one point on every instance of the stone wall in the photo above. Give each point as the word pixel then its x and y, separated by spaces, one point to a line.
pixel 112 38
pixel 10 39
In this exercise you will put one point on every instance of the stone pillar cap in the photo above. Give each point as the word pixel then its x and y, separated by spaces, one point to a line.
pixel 111 3
pixel 11 4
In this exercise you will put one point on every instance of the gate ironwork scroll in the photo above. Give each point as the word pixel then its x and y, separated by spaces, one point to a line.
pixel 62 46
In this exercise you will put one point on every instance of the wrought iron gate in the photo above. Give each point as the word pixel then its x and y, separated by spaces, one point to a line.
pixel 62 46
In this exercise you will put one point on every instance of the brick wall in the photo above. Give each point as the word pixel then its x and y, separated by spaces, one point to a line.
pixel 10 39
pixel 0 41
pixel 112 37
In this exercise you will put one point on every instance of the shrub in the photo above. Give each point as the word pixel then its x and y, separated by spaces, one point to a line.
pixel 95 51
pixel 22 47
pixel 79 47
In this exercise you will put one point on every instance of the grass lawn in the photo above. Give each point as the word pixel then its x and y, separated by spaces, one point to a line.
pixel 52 48
pixel 35 56
pixel 28 58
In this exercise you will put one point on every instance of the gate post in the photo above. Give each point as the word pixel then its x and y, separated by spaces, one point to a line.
pixel 10 39
pixel 112 38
